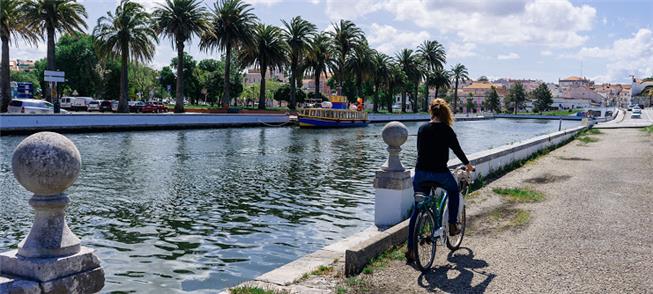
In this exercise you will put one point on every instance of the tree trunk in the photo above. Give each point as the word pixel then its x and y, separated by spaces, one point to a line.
pixel 317 84
pixel 426 98
pixel 226 99
pixel 455 98
pixel 123 107
pixel 391 99
pixel 51 61
pixel 261 96
pixel 179 101
pixel 5 91
pixel 375 103
pixel 415 97
pixel 403 101
pixel 293 84
pixel 437 90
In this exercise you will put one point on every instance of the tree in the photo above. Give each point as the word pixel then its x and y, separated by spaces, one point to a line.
pixel 360 65
pixel 13 26
pixel 381 64
pixel 283 94
pixel 440 79
pixel 407 60
pixel 433 56
pixel 127 34
pixel 396 81
pixel 492 101
pixel 190 83
pixel 346 35
pixel 459 74
pixel 516 97
pixel 483 79
pixel 179 21
pixel 269 51
pixel 298 34
pixel 51 16
pixel 543 98
pixel 320 54
pixel 76 56
pixel 167 78
pixel 232 26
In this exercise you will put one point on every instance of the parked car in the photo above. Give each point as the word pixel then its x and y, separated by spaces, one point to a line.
pixel 636 115
pixel 93 106
pixel 136 106
pixel 66 102
pixel 154 107
pixel 105 105
pixel 31 106
pixel 81 103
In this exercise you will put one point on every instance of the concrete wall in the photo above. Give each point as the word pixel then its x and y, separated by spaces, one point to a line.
pixel 494 159
pixel 28 123
pixel 377 118
pixel 532 116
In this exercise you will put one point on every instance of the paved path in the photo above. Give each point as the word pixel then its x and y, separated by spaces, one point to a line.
pixel 592 234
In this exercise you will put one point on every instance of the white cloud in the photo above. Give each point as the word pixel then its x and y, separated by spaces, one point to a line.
pixel 461 50
pixel 554 23
pixel 626 56
pixel 389 40
pixel 263 2
pixel 345 9
pixel 511 55
pixel 546 53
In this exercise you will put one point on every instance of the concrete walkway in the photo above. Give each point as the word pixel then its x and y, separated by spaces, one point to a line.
pixel 591 234
pixel 624 120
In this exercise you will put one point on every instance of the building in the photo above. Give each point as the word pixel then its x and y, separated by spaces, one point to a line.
pixel 577 97
pixel 253 76
pixel 637 91
pixel 308 84
pixel 21 65
pixel 479 91
pixel 574 82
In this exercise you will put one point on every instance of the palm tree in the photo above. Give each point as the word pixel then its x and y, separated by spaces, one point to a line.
pixel 360 64
pixel 179 21
pixel 396 80
pixel 440 79
pixel 408 63
pixel 51 16
pixel 232 27
pixel 346 35
pixel 12 28
pixel 433 55
pixel 459 74
pixel 381 64
pixel 320 54
pixel 298 34
pixel 269 51
pixel 126 34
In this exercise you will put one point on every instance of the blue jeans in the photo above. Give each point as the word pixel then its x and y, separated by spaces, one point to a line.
pixel 447 182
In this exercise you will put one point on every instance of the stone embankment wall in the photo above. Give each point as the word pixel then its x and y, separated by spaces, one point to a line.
pixel 30 123
pixel 378 118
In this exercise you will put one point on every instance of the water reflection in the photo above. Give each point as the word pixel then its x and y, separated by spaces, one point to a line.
pixel 204 209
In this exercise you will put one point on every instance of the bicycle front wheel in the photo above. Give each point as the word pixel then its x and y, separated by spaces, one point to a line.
pixel 424 241
pixel 453 242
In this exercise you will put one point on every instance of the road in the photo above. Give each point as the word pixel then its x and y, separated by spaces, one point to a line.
pixel 624 120
pixel 591 234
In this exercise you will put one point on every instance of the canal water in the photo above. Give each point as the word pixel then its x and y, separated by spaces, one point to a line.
pixel 200 210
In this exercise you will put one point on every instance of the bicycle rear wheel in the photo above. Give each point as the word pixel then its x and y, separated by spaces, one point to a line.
pixel 424 242
pixel 453 242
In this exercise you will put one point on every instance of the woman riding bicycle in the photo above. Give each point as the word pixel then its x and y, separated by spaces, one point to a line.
pixel 434 140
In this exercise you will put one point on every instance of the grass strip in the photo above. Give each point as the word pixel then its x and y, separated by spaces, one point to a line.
pixel 520 195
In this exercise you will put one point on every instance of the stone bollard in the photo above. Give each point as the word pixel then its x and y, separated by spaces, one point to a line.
pixel 50 259
pixel 393 196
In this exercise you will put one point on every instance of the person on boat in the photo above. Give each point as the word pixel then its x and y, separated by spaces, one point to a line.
pixel 434 140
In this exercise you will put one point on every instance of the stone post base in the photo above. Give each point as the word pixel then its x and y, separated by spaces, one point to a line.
pixel 393 197
pixel 78 273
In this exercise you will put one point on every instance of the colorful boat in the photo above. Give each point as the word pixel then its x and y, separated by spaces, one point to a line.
pixel 333 115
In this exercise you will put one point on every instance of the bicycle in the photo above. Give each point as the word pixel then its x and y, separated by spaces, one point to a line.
pixel 431 226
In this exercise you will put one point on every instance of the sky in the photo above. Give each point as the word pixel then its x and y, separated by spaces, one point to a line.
pixel 606 41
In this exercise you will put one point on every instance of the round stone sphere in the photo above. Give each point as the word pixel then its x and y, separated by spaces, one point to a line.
pixel 395 134
pixel 46 163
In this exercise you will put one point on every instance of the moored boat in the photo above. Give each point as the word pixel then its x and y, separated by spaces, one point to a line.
pixel 333 114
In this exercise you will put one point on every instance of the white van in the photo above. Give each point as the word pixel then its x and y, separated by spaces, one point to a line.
pixel 81 103
pixel 31 106
pixel 66 102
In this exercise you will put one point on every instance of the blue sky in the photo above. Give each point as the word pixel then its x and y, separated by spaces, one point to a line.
pixel 537 39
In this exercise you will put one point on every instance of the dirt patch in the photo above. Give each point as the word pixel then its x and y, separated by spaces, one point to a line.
pixel 497 220
pixel 573 158
pixel 546 179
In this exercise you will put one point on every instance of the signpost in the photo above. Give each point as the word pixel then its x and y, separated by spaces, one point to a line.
pixel 54 77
